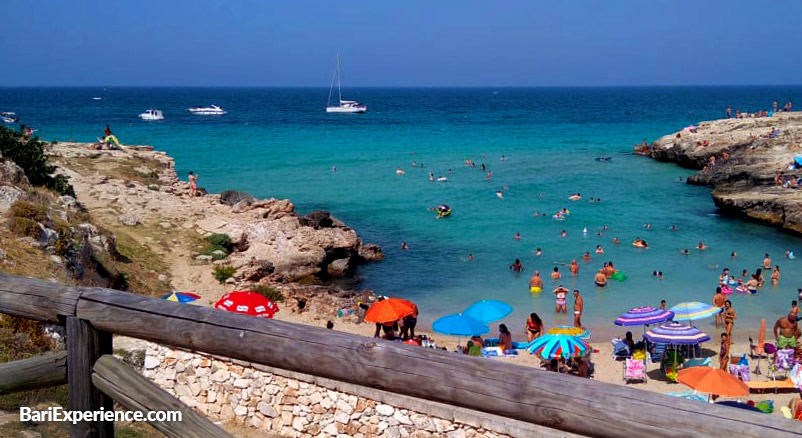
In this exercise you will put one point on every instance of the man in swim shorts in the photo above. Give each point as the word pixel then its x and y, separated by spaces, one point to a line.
pixel 574 268
pixel 536 283
pixel 785 332
pixel 600 279
pixel 579 306
pixel 718 301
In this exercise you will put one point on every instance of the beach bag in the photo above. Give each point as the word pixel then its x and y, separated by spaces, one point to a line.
pixel 767 406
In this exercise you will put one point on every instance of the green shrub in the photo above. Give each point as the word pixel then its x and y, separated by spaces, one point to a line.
pixel 221 240
pixel 27 210
pixel 210 251
pixel 25 227
pixel 223 273
pixel 29 154
pixel 268 292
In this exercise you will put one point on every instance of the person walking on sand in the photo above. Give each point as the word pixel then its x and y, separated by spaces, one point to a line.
pixel 560 294
pixel 724 352
pixel 579 306
pixel 536 283
pixel 785 332
pixel 729 318
pixel 193 184
pixel 718 301
pixel 767 262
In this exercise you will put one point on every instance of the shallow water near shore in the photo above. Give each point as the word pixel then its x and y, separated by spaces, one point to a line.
pixel 281 143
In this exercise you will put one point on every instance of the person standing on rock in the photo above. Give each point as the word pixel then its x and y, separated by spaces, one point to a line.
pixel 729 112
pixel 193 184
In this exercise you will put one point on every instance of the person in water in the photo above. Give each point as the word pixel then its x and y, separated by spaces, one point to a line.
pixel 600 279
pixel 431 176
pixel 404 245
pixel 500 194
pixel 718 300
pixel 534 327
pixel 586 257
pixel 616 241
pixel 574 268
pixel 579 307
pixel 640 243
pixel 734 255
pixel 556 274
pixel 538 252
pixel 536 283
pixel 775 276
pixel 599 249
pixel 686 251
pixel 701 246
pixel 662 304
pixel 563 234
pixel 766 262
pixel 516 266
pixel 560 294
pixel 470 257
pixel 517 236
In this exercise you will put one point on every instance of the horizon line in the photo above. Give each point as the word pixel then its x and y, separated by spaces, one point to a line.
pixel 412 86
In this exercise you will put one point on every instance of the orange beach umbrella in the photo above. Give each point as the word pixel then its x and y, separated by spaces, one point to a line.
pixel 390 309
pixel 713 381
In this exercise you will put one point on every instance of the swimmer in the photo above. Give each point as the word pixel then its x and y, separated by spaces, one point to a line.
pixel 672 228
pixel 616 241
pixel 599 249
pixel 503 158
pixel 517 236
pixel 489 176
pixel 790 255
pixel 538 252
pixel 563 234
pixel 586 257
pixel 775 276
pixel 443 211
pixel 483 167
pixel 536 283
pixel 414 163
pixel 500 194
pixel 605 227
pixel 431 176
pixel 701 246
pixel 662 304
pixel 574 268
pixel 470 257
pixel 640 243
pixel 575 197
pixel 685 251
pixel 556 274
pixel 399 172
pixel 516 266
pixel 744 274
pixel 734 255
pixel 450 172
pixel 648 226
pixel 600 279
pixel 404 245
pixel 767 262
pixel 334 168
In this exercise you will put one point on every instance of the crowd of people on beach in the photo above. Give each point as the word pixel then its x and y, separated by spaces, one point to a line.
pixel 738 114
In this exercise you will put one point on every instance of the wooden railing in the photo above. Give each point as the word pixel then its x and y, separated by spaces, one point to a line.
pixel 553 400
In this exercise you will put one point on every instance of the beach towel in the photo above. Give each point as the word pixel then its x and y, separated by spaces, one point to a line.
pixel 741 372
pixel 706 362
pixel 785 359
pixel 496 352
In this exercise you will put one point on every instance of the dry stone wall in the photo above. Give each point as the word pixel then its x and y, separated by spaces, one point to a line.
pixel 245 394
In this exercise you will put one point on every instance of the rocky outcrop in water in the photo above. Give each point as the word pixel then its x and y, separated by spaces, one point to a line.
pixel 742 159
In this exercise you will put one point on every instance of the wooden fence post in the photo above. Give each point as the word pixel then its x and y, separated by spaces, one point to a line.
pixel 84 346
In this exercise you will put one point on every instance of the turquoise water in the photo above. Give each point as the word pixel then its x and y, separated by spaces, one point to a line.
pixel 281 143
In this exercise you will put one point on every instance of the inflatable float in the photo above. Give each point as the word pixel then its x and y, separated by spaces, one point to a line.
pixel 618 276
pixel 443 211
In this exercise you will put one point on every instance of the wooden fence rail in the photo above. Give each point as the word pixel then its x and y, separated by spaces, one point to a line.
pixel 554 400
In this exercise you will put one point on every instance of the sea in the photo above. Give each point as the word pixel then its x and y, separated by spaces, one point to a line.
pixel 541 145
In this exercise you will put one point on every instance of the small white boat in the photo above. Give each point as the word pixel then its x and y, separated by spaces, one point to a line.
pixel 206 110
pixel 345 106
pixel 9 117
pixel 97 98
pixel 152 114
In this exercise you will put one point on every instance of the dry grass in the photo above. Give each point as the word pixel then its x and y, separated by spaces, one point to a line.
pixel 116 167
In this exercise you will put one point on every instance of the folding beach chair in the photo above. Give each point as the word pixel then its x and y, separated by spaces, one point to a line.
pixel 634 370
pixel 784 363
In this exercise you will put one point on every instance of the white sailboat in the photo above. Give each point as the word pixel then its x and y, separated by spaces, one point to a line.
pixel 345 106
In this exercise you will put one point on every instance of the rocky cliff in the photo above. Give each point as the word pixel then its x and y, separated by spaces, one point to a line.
pixel 139 187
pixel 742 160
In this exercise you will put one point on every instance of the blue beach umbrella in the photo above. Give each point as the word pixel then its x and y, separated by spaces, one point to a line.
pixel 460 325
pixel 180 297
pixel 675 333
pixel 644 316
pixel 488 310
pixel 559 346
pixel 693 310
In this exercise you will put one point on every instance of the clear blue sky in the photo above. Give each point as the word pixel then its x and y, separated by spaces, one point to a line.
pixel 401 43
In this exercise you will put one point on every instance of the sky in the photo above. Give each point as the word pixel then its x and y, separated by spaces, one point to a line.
pixel 407 44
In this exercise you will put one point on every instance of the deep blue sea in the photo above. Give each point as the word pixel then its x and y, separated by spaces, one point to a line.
pixel 281 143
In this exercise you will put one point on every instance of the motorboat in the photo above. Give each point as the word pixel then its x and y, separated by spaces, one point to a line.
pixel 344 106
pixel 206 110
pixel 9 117
pixel 152 114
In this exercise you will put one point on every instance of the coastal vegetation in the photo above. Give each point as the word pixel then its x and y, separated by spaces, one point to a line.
pixel 223 273
pixel 268 292
pixel 219 246
pixel 29 154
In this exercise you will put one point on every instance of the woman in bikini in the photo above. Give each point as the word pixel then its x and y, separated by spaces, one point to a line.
pixel 534 327
pixel 729 318
pixel 193 184
pixel 560 293
pixel 775 276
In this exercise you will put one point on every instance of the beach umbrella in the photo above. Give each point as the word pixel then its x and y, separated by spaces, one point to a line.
pixel 180 297
pixel 460 325
pixel 569 330
pixel 488 310
pixel 644 316
pixel 559 346
pixel 389 310
pixel 676 334
pixel 693 310
pixel 248 303
pixel 713 381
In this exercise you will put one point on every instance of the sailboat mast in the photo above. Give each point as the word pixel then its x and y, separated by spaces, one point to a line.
pixel 339 78
pixel 331 87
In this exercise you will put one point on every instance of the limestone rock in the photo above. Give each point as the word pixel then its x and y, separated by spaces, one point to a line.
pixel 267 409
pixel 8 196
pixel 232 197
pixel 385 410
pixel 130 219
pixel 339 268
pixel 11 173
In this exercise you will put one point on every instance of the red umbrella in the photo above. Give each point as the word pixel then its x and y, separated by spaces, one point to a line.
pixel 389 309
pixel 248 303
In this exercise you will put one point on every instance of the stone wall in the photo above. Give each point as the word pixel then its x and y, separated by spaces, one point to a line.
pixel 296 405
